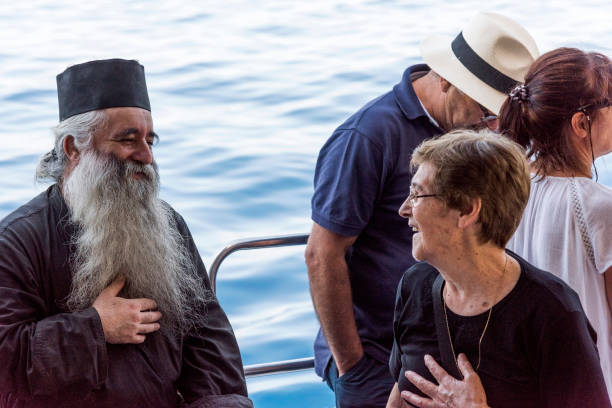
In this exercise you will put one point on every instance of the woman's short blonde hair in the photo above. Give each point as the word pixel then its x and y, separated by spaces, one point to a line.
pixel 479 164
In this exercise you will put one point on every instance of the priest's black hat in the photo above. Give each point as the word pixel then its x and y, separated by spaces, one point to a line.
pixel 101 84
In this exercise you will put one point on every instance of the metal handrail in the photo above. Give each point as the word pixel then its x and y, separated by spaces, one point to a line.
pixel 279 367
pixel 255 243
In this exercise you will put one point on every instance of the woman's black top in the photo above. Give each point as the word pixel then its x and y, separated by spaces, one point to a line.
pixel 539 349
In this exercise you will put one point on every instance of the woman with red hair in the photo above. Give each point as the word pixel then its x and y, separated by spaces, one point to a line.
pixel 562 115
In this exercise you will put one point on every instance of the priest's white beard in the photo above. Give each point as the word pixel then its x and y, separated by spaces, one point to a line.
pixel 125 229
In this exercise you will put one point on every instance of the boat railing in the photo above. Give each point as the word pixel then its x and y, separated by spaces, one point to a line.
pixel 258 243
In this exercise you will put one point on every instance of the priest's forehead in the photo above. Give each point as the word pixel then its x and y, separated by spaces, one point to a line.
pixel 126 122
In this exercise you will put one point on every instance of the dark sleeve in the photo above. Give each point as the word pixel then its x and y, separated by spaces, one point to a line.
pixel 570 373
pixel 395 360
pixel 347 182
pixel 212 374
pixel 41 354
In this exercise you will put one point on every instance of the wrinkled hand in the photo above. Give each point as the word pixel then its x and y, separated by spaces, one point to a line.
pixel 125 320
pixel 450 393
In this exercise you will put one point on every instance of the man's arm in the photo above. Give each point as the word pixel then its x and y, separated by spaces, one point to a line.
pixel 330 289
pixel 43 354
pixel 212 374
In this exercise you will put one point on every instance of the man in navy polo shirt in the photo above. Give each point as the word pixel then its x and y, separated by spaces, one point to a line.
pixel 360 246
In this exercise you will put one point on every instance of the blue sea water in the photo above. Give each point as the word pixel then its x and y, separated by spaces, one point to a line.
pixel 244 93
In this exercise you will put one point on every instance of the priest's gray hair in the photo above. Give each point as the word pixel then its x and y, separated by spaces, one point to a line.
pixel 82 128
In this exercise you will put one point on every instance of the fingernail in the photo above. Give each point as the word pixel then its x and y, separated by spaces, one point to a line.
pixel 407 395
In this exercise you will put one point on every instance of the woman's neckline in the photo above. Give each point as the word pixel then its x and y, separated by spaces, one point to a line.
pixel 502 301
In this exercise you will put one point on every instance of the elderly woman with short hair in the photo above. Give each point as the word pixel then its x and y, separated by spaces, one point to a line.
pixel 475 325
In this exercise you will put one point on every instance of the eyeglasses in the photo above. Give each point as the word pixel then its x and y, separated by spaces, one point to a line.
pixel 586 109
pixel 413 197
pixel 594 106
pixel 488 118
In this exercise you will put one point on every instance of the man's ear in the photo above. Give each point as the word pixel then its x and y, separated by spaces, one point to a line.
pixel 580 124
pixel 70 149
pixel 444 85
pixel 470 216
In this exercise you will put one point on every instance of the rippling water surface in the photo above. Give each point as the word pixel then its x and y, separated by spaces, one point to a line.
pixel 244 93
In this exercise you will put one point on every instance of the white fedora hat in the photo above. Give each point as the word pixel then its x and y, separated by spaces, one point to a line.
pixel 486 60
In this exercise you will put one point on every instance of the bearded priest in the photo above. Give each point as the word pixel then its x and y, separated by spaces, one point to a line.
pixel 104 299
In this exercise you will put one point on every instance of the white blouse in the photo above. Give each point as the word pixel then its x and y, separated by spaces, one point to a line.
pixel 566 229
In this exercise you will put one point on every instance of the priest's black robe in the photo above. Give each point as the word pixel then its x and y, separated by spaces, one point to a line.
pixel 50 357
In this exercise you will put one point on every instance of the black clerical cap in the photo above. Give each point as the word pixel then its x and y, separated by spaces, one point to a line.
pixel 101 84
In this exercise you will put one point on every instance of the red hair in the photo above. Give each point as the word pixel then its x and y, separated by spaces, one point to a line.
pixel 557 84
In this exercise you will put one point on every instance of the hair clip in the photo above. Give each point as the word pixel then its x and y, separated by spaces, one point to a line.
pixel 520 93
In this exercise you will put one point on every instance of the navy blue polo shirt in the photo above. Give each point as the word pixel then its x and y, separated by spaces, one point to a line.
pixel 361 179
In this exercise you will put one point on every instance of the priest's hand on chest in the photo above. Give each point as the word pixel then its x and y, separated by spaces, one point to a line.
pixel 125 320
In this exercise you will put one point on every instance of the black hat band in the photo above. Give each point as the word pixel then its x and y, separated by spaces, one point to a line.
pixel 481 68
